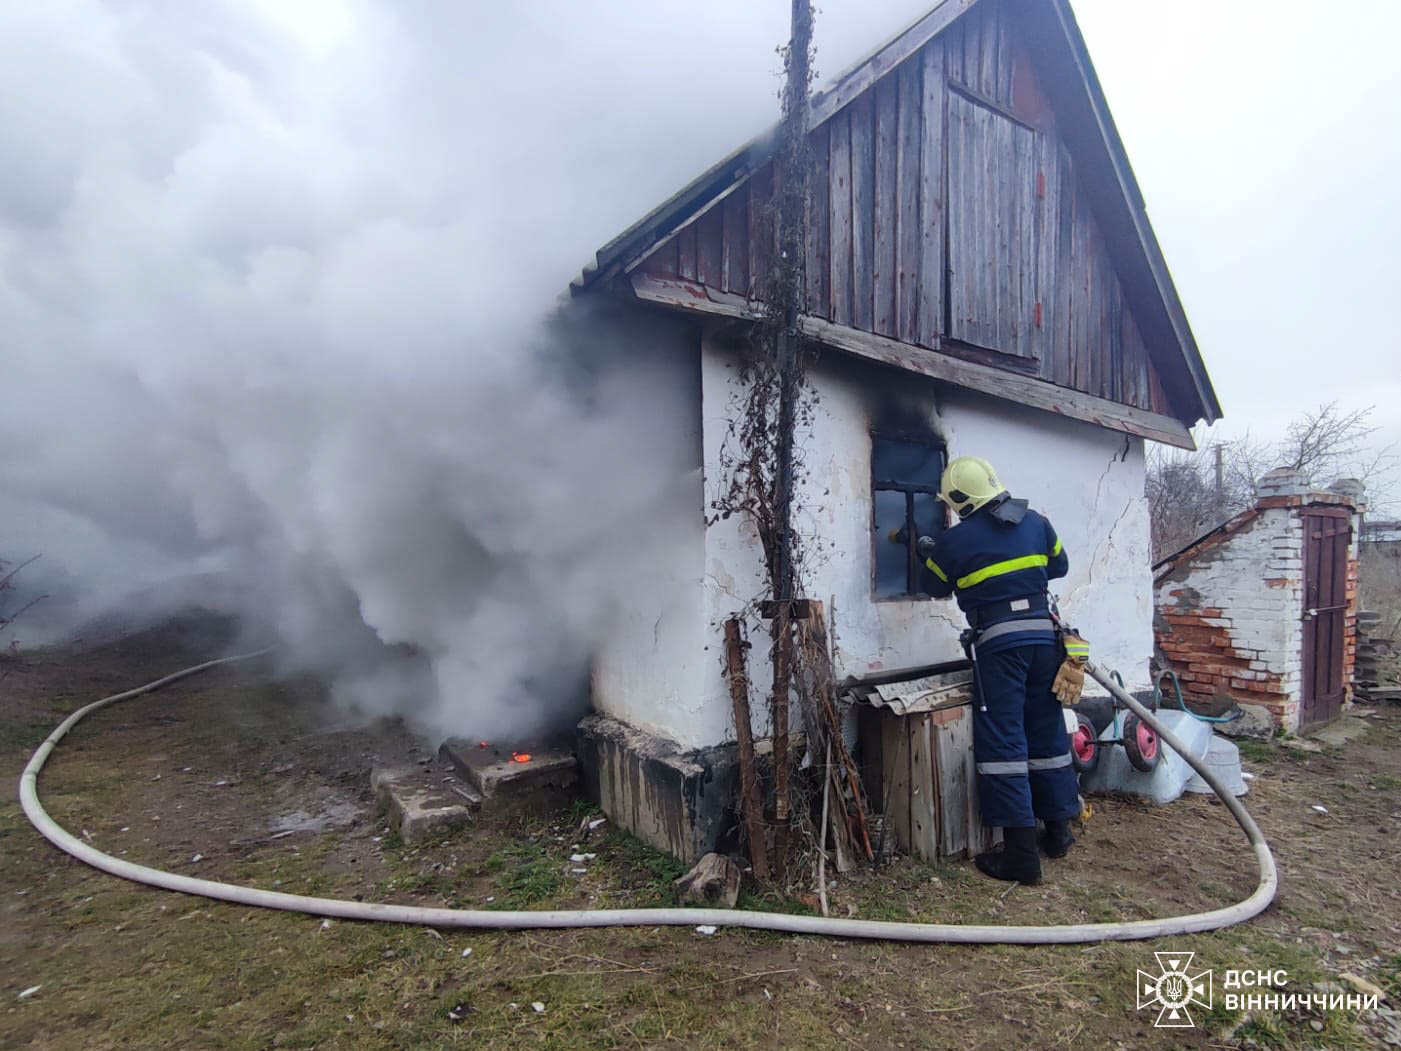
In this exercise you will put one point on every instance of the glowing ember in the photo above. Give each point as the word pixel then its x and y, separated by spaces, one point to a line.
pixel 520 757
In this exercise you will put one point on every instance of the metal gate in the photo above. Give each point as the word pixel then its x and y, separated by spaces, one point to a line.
pixel 1327 535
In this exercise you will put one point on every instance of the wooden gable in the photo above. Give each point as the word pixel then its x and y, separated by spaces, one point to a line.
pixel 949 212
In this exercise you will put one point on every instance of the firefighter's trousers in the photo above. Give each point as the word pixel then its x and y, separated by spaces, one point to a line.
pixel 1019 742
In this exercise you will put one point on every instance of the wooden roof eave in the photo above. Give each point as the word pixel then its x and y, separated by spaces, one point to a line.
pixel 1035 393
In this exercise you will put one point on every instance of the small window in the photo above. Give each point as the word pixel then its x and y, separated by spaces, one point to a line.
pixel 905 502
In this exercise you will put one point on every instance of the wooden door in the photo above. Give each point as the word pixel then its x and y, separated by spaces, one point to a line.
pixel 1327 535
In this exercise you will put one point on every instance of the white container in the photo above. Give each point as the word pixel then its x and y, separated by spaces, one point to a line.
pixel 1223 759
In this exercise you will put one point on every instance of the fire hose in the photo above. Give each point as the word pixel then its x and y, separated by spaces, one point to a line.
pixel 769 921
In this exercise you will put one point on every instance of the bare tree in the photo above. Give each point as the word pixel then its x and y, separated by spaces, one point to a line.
pixel 1192 492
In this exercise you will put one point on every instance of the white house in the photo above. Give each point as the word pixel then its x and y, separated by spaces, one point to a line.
pixel 982 279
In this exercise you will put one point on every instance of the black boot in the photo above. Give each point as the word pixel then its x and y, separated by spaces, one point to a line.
pixel 1057 839
pixel 1016 861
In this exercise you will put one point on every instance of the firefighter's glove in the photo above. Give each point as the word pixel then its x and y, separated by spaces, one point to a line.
pixel 925 547
pixel 1070 679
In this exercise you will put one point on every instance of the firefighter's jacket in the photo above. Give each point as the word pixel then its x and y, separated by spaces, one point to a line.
pixel 991 566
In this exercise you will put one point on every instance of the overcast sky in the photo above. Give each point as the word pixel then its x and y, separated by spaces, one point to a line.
pixel 272 274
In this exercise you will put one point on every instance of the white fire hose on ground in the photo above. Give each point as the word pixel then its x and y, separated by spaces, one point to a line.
pixel 768 921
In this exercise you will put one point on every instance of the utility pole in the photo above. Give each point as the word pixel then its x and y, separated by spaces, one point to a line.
pixel 792 179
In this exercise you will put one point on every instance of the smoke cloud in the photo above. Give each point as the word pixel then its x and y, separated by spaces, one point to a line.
pixel 280 286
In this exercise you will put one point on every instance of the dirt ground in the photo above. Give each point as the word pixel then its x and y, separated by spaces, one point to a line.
pixel 236 776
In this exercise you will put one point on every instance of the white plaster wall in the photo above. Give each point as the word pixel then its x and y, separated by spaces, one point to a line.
pixel 649 669
pixel 1088 480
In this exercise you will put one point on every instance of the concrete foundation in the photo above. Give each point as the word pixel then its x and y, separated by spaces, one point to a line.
pixel 678 802
pixel 417 805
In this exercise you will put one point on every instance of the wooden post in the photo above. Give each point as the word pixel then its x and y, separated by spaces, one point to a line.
pixel 751 806
pixel 791 171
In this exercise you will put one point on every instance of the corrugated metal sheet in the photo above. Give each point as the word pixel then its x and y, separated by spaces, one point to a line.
pixel 927 694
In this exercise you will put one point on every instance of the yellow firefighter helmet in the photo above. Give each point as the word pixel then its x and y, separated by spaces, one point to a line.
pixel 968 483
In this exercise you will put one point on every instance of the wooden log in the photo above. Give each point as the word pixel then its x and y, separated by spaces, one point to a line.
pixel 751 806
pixel 714 882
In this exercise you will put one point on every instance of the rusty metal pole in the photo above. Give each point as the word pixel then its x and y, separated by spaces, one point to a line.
pixel 792 215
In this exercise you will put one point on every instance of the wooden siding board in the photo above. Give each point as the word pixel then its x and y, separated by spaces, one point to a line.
pixel 710 248
pixel 819 232
pixel 761 230
pixel 1063 370
pixel 884 235
pixel 686 252
pixel 839 208
pixel 988 69
pixel 863 177
pixel 932 198
pixel 907 213
pixel 895 753
pixel 924 823
pixel 734 262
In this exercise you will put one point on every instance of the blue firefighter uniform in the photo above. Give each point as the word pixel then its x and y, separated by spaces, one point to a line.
pixel 999 571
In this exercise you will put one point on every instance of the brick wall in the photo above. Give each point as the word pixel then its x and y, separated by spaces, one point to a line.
pixel 1227 613
pixel 1228 608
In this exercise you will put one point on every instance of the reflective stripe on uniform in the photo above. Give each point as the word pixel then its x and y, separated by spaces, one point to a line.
pixel 997 569
pixel 1007 768
pixel 1007 627
pixel 1056 550
pixel 933 568
pixel 1050 763
pixel 1077 649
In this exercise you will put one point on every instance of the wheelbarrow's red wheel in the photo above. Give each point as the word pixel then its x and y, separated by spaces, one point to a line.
pixel 1084 745
pixel 1141 744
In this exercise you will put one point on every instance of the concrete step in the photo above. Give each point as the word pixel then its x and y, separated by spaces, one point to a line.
pixel 419 802
pixel 495 773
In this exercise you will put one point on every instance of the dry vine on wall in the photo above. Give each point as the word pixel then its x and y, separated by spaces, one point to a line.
pixel 762 467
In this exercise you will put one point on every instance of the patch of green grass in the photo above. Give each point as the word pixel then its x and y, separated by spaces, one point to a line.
pixel 1258 751
pixel 1386 783
pixel 646 875
pixel 525 876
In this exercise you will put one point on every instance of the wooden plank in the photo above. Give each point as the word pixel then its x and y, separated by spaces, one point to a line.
pixel 1047 231
pixel 895 750
pixel 686 252
pixel 734 264
pixel 883 238
pixel 1019 389
pixel 663 261
pixel 839 193
pixel 933 197
pixel 1063 371
pixel 854 82
pixel 972 48
pixel 951 44
pixel 924 823
pixel 907 183
pixel 1022 389
pixel 761 231
pixel 863 177
pixel 819 240
pixel 958 217
pixel 952 742
pixel 710 248
pixel 989 70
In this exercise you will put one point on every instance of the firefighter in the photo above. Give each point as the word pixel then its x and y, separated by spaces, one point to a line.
pixel 996 559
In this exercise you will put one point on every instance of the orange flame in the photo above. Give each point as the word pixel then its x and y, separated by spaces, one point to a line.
pixel 520 757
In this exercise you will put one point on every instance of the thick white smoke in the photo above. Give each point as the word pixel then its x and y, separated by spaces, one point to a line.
pixel 276 286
